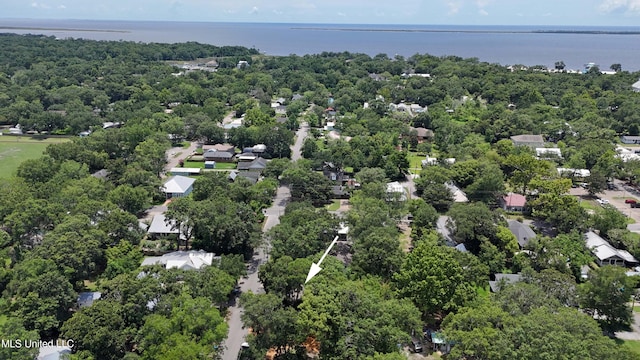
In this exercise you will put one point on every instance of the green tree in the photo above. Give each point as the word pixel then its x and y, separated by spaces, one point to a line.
pixel 433 279
pixel 377 252
pixel 284 277
pixel 41 296
pixel 307 185
pixel 13 330
pixel 607 293
pixel 191 320
pixel 99 329
pixel 608 218
pixel 129 198
pixel 273 326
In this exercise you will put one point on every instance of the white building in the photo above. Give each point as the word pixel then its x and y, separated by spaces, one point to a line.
pixel 607 254
pixel 395 191
pixel 185 260
pixel 178 186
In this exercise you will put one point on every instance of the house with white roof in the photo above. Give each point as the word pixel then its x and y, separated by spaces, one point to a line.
pixel 458 195
pixel 178 186
pixel 625 154
pixel 184 260
pixel 607 254
pixel 395 191
pixel 574 173
pixel 636 86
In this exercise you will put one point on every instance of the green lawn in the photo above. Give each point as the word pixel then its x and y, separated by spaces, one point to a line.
pixel 634 345
pixel 14 150
pixel 219 165
pixel 335 205
pixel 415 161
pixel 226 166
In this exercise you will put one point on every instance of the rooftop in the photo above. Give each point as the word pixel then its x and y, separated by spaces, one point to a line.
pixel 503 279
pixel 515 200
pixel 603 250
pixel 528 138
pixel 522 232
pixel 178 184
pixel 160 225
pixel 185 260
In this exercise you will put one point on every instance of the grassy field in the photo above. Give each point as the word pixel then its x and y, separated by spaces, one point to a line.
pixel 219 165
pixel 14 150
pixel 415 162
pixel 634 345
pixel 335 205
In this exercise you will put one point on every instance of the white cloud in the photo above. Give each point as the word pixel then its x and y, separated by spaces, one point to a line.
pixel 61 6
pixel 342 14
pixel 483 12
pixel 629 6
pixel 254 10
pixel 454 6
pixel 40 5
pixel 482 3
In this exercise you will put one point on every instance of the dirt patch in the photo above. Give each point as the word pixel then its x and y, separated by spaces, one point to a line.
pixel 9 152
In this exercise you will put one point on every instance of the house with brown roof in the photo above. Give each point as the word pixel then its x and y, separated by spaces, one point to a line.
pixel 423 134
pixel 220 147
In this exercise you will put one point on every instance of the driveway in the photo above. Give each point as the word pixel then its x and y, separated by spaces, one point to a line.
pixel 237 333
pixel 175 154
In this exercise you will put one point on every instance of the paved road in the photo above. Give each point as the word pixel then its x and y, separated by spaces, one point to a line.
pixel 301 134
pixel 251 283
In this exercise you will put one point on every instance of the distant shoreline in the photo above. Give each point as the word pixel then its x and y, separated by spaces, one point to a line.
pixel 60 29
pixel 479 31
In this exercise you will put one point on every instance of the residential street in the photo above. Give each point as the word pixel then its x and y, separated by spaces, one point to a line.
pixel 237 333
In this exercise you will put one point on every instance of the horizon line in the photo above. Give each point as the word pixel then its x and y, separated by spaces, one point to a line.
pixel 319 23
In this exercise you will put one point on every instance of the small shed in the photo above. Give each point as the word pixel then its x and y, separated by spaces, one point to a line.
pixel 209 164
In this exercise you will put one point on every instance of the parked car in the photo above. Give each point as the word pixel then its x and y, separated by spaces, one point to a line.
pixel 416 346
pixel 630 201
pixel 635 205
pixel 602 201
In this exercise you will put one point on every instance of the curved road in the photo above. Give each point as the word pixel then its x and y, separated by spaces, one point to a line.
pixel 237 332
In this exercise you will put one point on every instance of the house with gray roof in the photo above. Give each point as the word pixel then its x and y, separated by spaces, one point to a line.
pixel 162 227
pixel 178 186
pixel 522 232
pixel 252 176
pixel 220 156
pixel 500 280
pixel 258 165
pixel 185 260
pixel 628 139
pixel 534 141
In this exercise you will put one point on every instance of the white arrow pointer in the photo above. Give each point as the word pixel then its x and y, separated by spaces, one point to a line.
pixel 315 268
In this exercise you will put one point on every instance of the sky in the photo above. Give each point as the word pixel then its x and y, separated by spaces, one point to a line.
pixel 421 12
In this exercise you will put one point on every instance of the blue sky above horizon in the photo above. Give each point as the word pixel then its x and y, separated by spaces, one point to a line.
pixel 437 12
